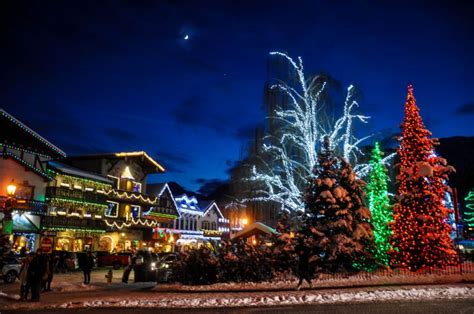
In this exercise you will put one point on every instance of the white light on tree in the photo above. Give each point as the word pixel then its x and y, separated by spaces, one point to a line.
pixel 282 174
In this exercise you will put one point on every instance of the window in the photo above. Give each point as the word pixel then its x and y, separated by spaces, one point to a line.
pixel 213 226
pixel 135 211
pixel 112 209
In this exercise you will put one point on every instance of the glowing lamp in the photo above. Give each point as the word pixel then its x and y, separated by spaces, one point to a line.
pixel 11 189
pixel 245 221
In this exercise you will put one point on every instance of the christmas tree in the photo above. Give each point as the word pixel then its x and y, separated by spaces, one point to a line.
pixel 469 211
pixel 421 234
pixel 338 223
pixel 379 205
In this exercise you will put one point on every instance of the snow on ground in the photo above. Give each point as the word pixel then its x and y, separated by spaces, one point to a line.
pixel 209 300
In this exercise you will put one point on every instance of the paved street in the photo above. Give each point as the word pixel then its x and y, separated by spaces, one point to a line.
pixel 432 307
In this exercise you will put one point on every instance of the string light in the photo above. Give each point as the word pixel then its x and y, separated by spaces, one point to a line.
pixel 30 131
pixel 469 214
pixel 421 233
pixel 284 176
pixel 141 153
pixel 379 205
pixel 28 165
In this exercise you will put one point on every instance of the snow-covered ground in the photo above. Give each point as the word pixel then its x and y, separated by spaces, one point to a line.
pixel 213 300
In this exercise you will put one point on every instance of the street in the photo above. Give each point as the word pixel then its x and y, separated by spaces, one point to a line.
pixel 432 307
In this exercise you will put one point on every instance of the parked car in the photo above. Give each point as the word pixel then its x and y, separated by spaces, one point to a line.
pixel 466 247
pixel 145 266
pixel 66 261
pixel 9 269
pixel 165 268
pixel 116 260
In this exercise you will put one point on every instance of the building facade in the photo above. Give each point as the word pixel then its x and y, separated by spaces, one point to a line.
pixel 24 165
pixel 131 216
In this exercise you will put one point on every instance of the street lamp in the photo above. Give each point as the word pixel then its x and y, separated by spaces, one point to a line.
pixel 11 189
pixel 7 210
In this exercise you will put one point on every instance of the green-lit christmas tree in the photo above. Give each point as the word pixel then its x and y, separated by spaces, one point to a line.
pixel 379 205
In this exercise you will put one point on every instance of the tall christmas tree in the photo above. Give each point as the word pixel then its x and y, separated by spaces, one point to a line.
pixel 337 219
pixel 421 234
pixel 379 205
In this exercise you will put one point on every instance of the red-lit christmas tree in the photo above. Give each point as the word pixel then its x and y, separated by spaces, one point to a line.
pixel 420 236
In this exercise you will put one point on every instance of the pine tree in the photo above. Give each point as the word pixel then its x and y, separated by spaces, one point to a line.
pixel 338 222
pixel 421 234
pixel 379 205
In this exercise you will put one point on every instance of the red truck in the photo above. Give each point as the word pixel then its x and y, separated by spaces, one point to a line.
pixel 116 260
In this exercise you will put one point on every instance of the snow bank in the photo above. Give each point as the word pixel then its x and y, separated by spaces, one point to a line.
pixel 213 300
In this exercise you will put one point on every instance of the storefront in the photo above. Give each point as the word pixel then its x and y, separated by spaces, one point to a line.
pixel 26 229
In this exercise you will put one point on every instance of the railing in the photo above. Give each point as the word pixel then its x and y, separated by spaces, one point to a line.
pixel 68 223
pixel 75 195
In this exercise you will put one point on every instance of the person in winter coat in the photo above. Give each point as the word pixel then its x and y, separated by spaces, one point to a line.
pixel 87 266
pixel 48 278
pixel 36 273
pixel 23 277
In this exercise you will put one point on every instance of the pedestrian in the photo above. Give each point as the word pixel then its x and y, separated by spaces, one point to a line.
pixel 48 277
pixel 36 273
pixel 304 270
pixel 128 269
pixel 23 277
pixel 87 266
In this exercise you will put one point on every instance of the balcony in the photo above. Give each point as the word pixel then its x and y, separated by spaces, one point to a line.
pixel 64 223
pixel 65 193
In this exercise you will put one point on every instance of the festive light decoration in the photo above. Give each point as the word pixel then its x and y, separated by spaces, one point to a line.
pixel 67 180
pixel 469 212
pixel 141 153
pixel 30 131
pixel 379 205
pixel 28 165
pixel 132 196
pixel 57 201
pixel 421 234
pixel 283 175
pixel 72 229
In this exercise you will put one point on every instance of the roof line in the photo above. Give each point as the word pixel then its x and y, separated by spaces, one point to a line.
pixel 29 130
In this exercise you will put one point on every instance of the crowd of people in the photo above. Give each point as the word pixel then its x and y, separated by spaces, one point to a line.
pixel 36 275
pixel 37 272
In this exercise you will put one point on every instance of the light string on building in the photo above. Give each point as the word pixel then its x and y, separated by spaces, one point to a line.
pixel 30 131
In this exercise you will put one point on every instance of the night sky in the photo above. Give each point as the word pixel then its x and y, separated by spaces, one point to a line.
pixel 107 76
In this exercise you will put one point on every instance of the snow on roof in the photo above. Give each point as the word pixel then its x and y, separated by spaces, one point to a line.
pixel 66 169
pixel 251 229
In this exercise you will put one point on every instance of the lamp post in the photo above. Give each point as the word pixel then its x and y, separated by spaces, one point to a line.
pixel 7 211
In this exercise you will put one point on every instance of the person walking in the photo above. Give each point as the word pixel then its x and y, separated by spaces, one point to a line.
pixel 36 273
pixel 23 277
pixel 87 266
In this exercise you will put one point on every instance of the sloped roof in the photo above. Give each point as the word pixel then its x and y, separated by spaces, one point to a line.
pixel 256 227
pixel 16 134
pixel 149 164
pixel 69 170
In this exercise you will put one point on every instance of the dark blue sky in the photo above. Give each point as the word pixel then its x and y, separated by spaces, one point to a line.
pixel 105 76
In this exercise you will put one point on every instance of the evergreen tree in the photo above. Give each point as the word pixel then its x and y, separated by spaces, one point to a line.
pixel 338 223
pixel 379 205
pixel 421 234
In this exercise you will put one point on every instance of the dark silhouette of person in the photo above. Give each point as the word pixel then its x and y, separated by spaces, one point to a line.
pixel 87 266
pixel 36 273
pixel 48 278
